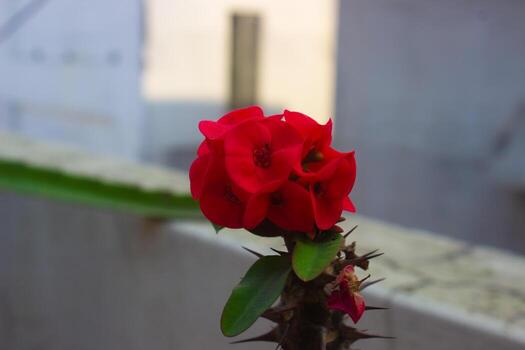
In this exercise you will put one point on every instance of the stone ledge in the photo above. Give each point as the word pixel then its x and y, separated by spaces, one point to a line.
pixel 463 289
pixel 75 162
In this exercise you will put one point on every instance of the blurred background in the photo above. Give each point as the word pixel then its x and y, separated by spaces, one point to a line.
pixel 431 94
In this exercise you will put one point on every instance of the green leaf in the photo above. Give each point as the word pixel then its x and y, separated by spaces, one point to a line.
pixel 310 258
pixel 216 227
pixel 56 184
pixel 257 291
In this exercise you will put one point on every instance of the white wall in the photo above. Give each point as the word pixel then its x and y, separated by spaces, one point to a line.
pixel 187 55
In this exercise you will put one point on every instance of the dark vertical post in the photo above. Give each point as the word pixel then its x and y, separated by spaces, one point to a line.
pixel 243 60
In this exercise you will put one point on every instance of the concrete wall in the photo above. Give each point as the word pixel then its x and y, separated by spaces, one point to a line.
pixel 73 277
pixel 425 91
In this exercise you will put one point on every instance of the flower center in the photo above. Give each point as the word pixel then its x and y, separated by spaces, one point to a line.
pixel 262 156
pixel 313 156
pixel 228 193
pixel 319 189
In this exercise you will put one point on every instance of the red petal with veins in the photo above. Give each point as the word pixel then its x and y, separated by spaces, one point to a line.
pixel 257 153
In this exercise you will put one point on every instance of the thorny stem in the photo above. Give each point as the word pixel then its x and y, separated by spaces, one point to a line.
pixel 304 321
pixel 311 325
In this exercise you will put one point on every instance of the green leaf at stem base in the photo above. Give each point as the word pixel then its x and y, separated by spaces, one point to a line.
pixel 310 258
pixel 257 291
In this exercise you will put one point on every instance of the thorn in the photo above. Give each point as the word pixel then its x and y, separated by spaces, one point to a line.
pixel 276 314
pixel 362 335
pixel 349 232
pixel 371 283
pixel 371 308
pixel 360 260
pixel 272 317
pixel 259 255
pixel 370 253
pixel 280 252
pixel 374 256
pixel 280 344
pixel 364 279
pixel 272 337
pixel 350 333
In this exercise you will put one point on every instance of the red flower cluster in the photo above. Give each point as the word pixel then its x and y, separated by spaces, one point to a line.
pixel 281 168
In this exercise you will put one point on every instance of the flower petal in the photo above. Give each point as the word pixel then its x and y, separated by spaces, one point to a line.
pixel 212 130
pixel 293 210
pixel 240 115
pixel 241 143
pixel 280 167
pixel 242 139
pixel 354 303
pixel 351 303
pixel 203 149
pixel 315 135
pixel 256 209
pixel 216 130
pixel 342 180
pixel 283 135
pixel 348 205
pixel 220 200
pixel 326 210
pixel 198 172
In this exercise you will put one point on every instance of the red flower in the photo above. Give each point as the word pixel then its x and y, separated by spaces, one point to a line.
pixel 221 200
pixel 329 190
pixel 199 170
pixel 260 152
pixel 287 206
pixel 216 130
pixel 315 136
pixel 347 298
pixel 252 169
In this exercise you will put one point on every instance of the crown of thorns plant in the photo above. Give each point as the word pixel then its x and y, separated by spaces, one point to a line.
pixel 278 176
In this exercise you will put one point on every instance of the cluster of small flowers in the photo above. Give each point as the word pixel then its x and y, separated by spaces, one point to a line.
pixel 281 168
